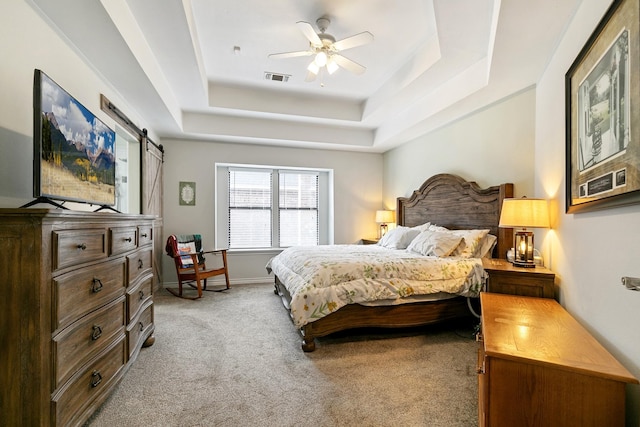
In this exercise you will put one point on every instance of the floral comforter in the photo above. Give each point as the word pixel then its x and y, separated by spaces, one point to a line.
pixel 322 279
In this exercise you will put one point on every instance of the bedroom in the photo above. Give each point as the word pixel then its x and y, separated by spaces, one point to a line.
pixel 588 252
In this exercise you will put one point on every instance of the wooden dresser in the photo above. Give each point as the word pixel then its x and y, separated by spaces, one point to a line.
pixel 537 366
pixel 76 307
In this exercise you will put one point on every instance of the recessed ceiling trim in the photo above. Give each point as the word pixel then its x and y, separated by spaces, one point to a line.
pixel 444 95
pixel 276 130
pixel 126 24
pixel 257 99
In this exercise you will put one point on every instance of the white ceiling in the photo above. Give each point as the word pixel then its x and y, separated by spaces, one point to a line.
pixel 431 62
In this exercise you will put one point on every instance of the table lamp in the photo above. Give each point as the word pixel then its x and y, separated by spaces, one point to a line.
pixel 383 218
pixel 524 213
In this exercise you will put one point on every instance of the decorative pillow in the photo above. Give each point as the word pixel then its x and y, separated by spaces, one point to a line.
pixel 472 242
pixel 422 227
pixel 186 248
pixel 435 243
pixel 398 238
pixel 486 247
pixel 433 227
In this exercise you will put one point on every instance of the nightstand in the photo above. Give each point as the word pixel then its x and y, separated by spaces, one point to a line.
pixel 504 278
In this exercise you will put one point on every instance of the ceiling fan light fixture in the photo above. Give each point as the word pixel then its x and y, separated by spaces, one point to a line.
pixel 321 59
pixel 313 67
pixel 332 67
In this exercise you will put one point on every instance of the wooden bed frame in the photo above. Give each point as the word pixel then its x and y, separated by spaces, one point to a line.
pixel 445 200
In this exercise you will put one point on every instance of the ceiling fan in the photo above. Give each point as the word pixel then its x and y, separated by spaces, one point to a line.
pixel 326 49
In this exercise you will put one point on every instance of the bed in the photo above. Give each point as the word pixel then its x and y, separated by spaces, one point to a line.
pixel 443 200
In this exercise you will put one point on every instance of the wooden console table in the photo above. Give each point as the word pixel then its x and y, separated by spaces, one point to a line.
pixel 537 366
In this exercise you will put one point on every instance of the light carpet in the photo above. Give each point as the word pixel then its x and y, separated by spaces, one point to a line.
pixel 233 358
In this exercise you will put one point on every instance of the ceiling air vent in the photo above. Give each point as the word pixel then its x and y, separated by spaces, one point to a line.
pixel 276 77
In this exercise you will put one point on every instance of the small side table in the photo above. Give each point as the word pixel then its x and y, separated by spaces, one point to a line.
pixel 504 278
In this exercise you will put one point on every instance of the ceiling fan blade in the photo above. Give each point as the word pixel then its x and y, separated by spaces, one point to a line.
pixel 291 54
pixel 309 33
pixel 348 64
pixel 310 76
pixel 353 41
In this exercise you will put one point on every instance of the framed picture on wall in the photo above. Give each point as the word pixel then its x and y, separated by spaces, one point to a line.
pixel 187 193
pixel 602 91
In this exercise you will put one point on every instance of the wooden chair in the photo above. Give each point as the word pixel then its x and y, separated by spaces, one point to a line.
pixel 188 256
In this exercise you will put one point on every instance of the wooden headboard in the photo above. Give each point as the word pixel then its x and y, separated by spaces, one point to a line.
pixel 450 201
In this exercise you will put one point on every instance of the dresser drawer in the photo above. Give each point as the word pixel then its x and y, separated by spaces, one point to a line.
pixel 137 296
pixel 123 239
pixel 82 291
pixel 145 235
pixel 140 328
pixel 69 404
pixel 73 247
pixel 139 263
pixel 80 342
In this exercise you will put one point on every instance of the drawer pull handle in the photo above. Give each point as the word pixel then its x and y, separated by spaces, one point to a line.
pixel 144 235
pixel 82 246
pixel 97 332
pixel 140 264
pixel 141 295
pixel 141 326
pixel 96 378
pixel 128 239
pixel 96 286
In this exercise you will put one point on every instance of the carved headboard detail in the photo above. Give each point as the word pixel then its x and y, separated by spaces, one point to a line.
pixel 450 201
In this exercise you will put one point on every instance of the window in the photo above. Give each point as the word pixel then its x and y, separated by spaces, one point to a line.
pixel 249 209
pixel 297 208
pixel 267 207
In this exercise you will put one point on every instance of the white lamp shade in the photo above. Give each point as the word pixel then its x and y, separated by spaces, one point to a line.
pixel 332 67
pixel 525 213
pixel 321 59
pixel 313 67
pixel 385 217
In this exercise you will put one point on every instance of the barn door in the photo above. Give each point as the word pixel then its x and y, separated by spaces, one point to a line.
pixel 152 158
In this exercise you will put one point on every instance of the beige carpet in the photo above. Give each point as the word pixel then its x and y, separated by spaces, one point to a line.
pixel 233 358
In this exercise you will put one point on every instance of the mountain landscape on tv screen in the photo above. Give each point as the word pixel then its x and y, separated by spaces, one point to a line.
pixel 73 169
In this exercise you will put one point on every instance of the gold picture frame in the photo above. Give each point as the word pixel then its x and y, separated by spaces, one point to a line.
pixel 602 91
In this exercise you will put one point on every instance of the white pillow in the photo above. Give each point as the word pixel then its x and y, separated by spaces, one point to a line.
pixel 435 243
pixel 472 242
pixel 398 238
pixel 486 247
pixel 423 227
pixel 433 227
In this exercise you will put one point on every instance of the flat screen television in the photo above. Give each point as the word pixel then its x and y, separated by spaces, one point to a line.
pixel 74 152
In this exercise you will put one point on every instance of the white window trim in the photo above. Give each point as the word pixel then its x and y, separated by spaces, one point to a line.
pixel 221 207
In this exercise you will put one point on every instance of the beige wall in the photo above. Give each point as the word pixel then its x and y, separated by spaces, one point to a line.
pixel 589 252
pixel 492 146
pixel 27 43
pixel 357 193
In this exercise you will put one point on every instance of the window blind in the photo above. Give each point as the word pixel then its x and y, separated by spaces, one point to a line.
pixel 298 208
pixel 250 213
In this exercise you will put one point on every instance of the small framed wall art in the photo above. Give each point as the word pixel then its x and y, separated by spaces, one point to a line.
pixel 602 96
pixel 187 195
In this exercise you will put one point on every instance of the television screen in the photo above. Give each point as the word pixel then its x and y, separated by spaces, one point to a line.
pixel 74 152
